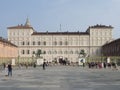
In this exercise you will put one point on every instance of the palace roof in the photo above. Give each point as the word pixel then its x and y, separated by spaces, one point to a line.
pixel 25 26
pixel 112 42
pixel 20 27
pixel 100 26
pixel 60 33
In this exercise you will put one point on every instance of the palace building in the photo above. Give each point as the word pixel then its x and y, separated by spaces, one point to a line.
pixel 57 45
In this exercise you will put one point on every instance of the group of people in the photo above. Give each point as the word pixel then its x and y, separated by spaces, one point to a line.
pixel 8 69
pixel 113 65
pixel 102 65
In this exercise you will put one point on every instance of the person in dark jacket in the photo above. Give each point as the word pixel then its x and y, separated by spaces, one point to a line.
pixel 9 69
pixel 44 64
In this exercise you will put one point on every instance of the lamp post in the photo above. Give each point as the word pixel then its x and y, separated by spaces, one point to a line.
pixel 18 60
pixel 32 58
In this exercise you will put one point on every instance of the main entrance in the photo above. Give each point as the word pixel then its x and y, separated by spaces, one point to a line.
pixel 63 60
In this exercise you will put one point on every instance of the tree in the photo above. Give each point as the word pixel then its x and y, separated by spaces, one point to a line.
pixel 82 53
pixel 39 52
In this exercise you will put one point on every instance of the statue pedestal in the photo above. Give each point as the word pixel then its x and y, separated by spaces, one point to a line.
pixel 40 61
pixel 81 61
pixel 13 62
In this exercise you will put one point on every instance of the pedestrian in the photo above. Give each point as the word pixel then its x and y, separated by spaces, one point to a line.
pixel 44 65
pixel 104 64
pixel 9 69
pixel 114 66
pixel 34 65
pixel 109 65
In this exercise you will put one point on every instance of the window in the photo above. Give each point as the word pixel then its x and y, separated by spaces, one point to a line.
pixel 71 52
pixel 23 51
pixel 60 52
pixel 66 43
pixel 28 43
pixel 49 52
pixel 55 43
pixel 60 42
pixel 55 52
pixel 23 43
pixel 33 52
pixel 28 51
pixel 33 42
pixel 39 43
pixel 65 52
pixel 76 52
pixel 44 43
pixel 44 52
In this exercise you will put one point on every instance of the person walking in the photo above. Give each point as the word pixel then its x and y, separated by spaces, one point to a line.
pixel 44 65
pixel 9 69
pixel 34 65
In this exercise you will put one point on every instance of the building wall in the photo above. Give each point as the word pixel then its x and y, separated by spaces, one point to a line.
pixel 7 50
pixel 112 48
pixel 65 45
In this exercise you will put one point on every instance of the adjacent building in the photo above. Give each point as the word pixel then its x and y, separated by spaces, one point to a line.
pixel 7 49
pixel 112 48
pixel 59 45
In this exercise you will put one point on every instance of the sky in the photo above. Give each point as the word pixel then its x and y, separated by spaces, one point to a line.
pixel 47 15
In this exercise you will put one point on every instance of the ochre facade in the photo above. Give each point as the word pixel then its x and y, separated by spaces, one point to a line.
pixel 7 49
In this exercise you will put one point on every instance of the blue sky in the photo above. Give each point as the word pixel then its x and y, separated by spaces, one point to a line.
pixel 47 15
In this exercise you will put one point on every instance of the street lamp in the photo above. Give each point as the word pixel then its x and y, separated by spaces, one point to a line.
pixel 32 58
pixel 18 60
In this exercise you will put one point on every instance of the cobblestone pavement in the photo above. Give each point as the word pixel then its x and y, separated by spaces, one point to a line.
pixel 61 78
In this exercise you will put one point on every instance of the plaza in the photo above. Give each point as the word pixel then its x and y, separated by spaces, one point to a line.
pixel 60 45
pixel 61 78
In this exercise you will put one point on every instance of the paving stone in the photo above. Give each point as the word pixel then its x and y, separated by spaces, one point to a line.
pixel 61 78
